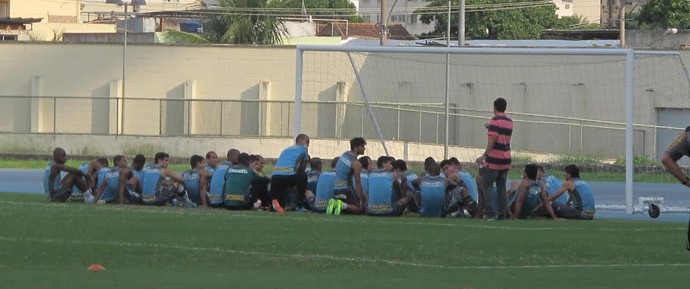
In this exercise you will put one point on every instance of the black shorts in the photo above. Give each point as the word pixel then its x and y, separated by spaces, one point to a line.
pixel 348 196
pixel 397 209
pixel 60 195
pixel 132 197
pixel 162 196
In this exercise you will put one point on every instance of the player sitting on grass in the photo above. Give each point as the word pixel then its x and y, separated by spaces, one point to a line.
pixel 259 186
pixel 529 195
pixel 466 177
pixel 238 181
pixel 289 171
pixel 552 185
pixel 196 181
pixel 348 194
pixel 217 185
pixel 112 189
pixel 580 205
pixel 159 184
pixel 211 162
pixel 367 167
pixel 90 169
pixel 387 194
pixel 315 167
pixel 460 198
pixel 400 167
pixel 59 188
pixel 325 186
pixel 436 192
pixel 138 164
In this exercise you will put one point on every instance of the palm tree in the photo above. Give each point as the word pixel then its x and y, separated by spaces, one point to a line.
pixel 231 26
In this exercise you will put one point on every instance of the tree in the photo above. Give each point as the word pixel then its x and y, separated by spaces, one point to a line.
pixel 575 22
pixel 330 9
pixel 235 26
pixel 515 23
pixel 665 14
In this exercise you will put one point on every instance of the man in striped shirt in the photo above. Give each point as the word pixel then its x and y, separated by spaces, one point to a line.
pixel 496 161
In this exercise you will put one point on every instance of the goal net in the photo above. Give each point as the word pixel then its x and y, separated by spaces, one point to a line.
pixel 596 108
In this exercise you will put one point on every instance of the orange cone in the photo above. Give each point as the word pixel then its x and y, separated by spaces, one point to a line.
pixel 96 267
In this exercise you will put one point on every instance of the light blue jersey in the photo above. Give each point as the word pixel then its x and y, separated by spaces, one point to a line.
pixel 552 185
pixel 470 183
pixel 77 194
pixel 210 170
pixel 192 185
pixel 343 170
pixel 136 173
pixel 290 160
pixel 150 183
pixel 586 193
pixel 364 178
pixel 410 176
pixel 325 187
pixel 112 187
pixel 531 202
pixel 312 179
pixel 381 193
pixel 57 182
pixel 432 192
pixel 101 176
pixel 217 189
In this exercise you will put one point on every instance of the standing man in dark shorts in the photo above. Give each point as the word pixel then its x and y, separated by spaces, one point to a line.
pixel 289 171
pixel 679 148
pixel 348 194
pixel 497 162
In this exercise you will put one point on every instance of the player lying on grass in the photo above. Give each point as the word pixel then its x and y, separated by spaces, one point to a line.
pixel 59 188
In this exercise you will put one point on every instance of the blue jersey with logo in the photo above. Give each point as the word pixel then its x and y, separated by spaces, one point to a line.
pixel 290 159
pixel 101 176
pixel 312 179
pixel 552 185
pixel 586 193
pixel 150 183
pixel 432 191
pixel 57 182
pixel 136 173
pixel 343 170
pixel 192 185
pixel 325 187
pixel 470 182
pixel 217 188
pixel 532 199
pixel 112 187
pixel 381 192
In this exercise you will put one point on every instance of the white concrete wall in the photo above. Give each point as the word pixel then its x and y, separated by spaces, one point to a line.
pixel 591 9
pixel 45 8
pixel 401 14
pixel 576 87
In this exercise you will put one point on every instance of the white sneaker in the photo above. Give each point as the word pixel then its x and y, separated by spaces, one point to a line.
pixel 88 196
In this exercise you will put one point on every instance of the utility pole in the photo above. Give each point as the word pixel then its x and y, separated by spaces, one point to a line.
pixel 383 22
pixel 461 24
pixel 621 25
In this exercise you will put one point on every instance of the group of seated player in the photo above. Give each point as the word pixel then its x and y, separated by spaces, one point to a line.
pixel 354 184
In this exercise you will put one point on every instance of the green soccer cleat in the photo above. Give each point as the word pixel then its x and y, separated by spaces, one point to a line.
pixel 338 207
pixel 331 206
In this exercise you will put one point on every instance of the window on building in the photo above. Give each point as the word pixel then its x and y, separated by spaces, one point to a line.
pixel 5 37
pixel 567 6
pixel 413 19
pixel 3 10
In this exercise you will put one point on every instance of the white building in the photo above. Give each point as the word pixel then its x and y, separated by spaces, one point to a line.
pixel 402 13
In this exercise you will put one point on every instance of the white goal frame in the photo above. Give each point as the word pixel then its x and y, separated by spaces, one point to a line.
pixel 629 55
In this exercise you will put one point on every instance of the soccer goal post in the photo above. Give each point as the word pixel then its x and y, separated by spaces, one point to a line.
pixel 568 105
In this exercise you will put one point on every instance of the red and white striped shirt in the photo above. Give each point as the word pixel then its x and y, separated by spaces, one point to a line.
pixel 499 157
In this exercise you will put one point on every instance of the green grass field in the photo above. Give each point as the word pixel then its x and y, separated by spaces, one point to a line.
pixel 46 245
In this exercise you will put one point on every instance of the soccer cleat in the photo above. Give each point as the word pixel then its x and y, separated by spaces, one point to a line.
pixel 276 206
pixel 338 207
pixel 331 206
